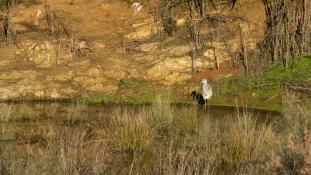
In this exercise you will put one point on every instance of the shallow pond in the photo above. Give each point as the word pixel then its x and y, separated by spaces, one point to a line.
pixel 29 116
pixel 52 133
pixel 35 112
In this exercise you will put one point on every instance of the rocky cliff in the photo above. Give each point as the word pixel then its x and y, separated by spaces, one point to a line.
pixel 66 49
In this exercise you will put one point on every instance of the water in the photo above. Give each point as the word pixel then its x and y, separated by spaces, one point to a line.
pixel 28 121
pixel 26 113
pixel 49 135
pixel 29 118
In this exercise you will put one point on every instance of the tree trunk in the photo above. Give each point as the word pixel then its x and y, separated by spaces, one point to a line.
pixel 288 29
pixel 9 22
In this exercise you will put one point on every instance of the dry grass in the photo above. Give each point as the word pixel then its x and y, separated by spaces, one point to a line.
pixel 25 112
pixel 18 112
pixel 6 111
pixel 294 156
pixel 76 113
pixel 6 133
pixel 247 143
pixel 158 140
pixel 131 133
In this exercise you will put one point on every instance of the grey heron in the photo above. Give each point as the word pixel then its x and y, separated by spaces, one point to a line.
pixel 206 91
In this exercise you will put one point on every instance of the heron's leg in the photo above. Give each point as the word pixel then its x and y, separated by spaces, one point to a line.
pixel 205 103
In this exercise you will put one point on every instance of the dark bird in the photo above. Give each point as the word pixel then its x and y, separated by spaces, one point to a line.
pixel 198 97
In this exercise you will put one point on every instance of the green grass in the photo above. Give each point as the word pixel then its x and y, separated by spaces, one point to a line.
pixel 264 90
pixel 103 99
pixel 299 70
pixel 131 91
pixel 134 92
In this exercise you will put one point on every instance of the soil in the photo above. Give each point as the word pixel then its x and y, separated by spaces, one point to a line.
pixel 107 29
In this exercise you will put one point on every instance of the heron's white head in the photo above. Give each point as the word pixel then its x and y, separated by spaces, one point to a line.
pixel 204 81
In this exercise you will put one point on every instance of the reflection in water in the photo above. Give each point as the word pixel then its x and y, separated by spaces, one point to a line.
pixel 27 119
pixel 27 114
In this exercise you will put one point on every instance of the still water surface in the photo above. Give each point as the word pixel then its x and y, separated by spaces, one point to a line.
pixel 30 117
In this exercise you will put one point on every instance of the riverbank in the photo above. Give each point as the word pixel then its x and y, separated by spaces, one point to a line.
pixel 268 90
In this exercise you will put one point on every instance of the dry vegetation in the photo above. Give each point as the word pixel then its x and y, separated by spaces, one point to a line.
pixel 155 141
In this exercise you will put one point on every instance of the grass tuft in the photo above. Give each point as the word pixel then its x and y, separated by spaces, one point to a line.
pixel 76 113
pixel 6 112
pixel 158 139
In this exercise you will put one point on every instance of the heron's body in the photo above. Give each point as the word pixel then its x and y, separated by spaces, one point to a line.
pixel 207 91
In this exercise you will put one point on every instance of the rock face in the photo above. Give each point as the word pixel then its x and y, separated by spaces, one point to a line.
pixel 143 29
pixel 35 85
pixel 39 77
pixel 44 54
pixel 104 48
pixel 173 70
pixel 168 62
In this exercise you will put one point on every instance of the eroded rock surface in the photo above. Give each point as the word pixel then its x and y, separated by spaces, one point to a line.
pixel 104 48
pixel 40 78
pixel 44 54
